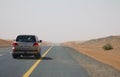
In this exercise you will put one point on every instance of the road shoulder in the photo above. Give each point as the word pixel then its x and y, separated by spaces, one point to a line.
pixel 95 68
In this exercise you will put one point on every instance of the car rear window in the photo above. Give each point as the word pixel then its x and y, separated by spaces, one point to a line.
pixel 26 39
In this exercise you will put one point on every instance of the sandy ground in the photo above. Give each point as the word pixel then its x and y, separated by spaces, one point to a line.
pixel 96 61
pixel 94 67
pixel 110 57
pixel 5 43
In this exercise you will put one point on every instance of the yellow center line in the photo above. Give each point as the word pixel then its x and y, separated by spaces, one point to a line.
pixel 27 74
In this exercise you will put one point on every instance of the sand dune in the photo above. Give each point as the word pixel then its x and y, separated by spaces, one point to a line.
pixel 5 42
pixel 94 49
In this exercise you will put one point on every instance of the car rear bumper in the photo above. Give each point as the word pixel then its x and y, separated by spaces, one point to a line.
pixel 26 52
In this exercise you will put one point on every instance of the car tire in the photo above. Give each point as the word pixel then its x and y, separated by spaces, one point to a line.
pixel 38 56
pixel 15 56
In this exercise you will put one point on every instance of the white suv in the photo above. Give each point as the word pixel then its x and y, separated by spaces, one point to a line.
pixel 26 45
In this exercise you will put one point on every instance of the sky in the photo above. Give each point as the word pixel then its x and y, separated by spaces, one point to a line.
pixel 60 20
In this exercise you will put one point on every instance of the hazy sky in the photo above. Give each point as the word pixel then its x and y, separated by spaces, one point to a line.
pixel 60 20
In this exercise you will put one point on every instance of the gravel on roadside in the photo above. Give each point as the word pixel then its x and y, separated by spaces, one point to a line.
pixel 94 67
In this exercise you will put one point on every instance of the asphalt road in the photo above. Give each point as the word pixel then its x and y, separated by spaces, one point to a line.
pixel 57 61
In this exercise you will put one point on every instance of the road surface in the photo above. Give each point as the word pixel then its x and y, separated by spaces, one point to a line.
pixel 57 61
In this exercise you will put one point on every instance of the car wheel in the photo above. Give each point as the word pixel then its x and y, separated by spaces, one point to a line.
pixel 38 56
pixel 15 56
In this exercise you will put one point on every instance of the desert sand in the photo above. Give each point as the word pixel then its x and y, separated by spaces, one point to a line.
pixel 94 49
pixel 4 43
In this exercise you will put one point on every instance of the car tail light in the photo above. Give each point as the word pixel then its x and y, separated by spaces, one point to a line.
pixel 35 44
pixel 15 44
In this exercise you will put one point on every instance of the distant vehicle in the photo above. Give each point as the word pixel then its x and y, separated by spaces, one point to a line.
pixel 26 45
